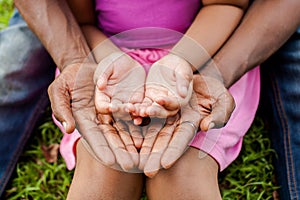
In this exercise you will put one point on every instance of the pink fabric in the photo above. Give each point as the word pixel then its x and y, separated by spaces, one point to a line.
pixel 223 144
pixel 67 146
pixel 116 16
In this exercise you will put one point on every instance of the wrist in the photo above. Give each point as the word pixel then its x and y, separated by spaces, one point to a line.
pixel 211 69
pixel 231 68
pixel 66 62
pixel 192 52
pixel 105 49
pixel 175 58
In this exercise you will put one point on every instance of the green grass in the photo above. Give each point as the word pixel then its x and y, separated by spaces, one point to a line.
pixel 34 177
pixel 5 12
pixel 250 177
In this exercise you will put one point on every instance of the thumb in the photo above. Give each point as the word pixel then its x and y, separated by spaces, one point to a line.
pixel 184 84
pixel 60 99
pixel 220 113
pixel 102 73
pixel 183 81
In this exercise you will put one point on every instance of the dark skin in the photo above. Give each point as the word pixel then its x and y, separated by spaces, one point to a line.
pixel 255 50
pixel 73 58
pixel 266 26
pixel 74 49
pixel 262 19
pixel 66 34
pixel 112 68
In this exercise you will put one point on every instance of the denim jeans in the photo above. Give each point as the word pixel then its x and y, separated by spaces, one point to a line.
pixel 281 87
pixel 26 70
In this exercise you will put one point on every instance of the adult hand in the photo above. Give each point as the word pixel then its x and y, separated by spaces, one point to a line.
pixel 72 99
pixel 215 102
pixel 210 107
pixel 168 87
pixel 120 84
pixel 163 145
pixel 124 139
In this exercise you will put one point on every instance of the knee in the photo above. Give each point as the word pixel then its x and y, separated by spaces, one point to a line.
pixel 108 183
pixel 185 188
pixel 189 178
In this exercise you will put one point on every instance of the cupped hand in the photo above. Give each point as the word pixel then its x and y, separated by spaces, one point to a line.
pixel 215 102
pixel 170 141
pixel 72 100
pixel 120 84
pixel 124 139
pixel 211 106
pixel 168 87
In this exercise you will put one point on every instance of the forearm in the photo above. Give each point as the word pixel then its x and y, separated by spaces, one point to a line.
pixel 56 27
pixel 211 28
pixel 266 26
pixel 85 16
pixel 101 46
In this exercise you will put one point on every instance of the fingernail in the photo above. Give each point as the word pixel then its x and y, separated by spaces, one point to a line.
pixel 64 125
pixel 137 121
pixel 211 125
pixel 151 174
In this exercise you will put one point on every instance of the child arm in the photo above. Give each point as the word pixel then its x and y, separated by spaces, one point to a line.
pixel 211 28
pixel 116 73
pixel 213 25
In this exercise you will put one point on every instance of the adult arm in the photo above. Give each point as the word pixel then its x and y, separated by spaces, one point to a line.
pixel 266 26
pixel 56 27
pixel 71 95
pixel 118 77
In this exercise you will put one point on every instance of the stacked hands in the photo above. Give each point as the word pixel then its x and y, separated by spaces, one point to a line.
pixel 136 121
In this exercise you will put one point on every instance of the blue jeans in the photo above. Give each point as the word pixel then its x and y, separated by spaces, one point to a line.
pixel 281 85
pixel 26 70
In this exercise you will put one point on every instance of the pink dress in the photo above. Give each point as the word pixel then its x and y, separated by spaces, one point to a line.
pixel 126 23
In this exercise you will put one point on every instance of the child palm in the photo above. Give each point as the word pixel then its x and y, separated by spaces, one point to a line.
pixel 168 87
pixel 119 84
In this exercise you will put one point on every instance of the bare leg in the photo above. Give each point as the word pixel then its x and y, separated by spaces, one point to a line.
pixel 191 177
pixel 92 180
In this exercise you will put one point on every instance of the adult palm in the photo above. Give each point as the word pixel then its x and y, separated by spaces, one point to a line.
pixel 72 100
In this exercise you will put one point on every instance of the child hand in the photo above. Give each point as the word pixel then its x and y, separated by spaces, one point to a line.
pixel 168 87
pixel 119 84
